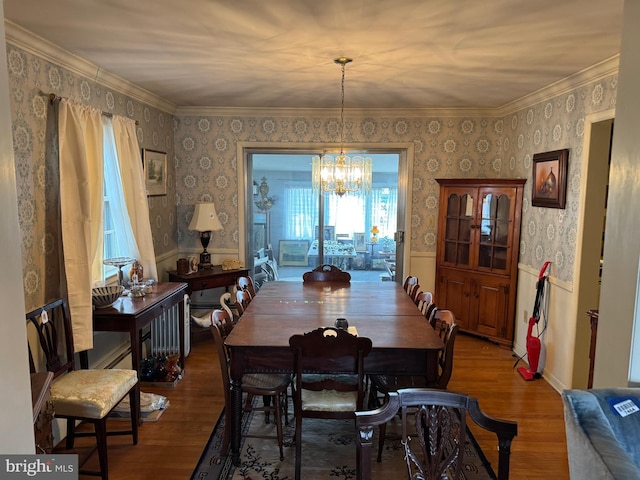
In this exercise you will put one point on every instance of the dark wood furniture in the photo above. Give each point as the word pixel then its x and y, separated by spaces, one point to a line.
pixel 272 386
pixel 593 320
pixel 316 352
pixel 79 395
pixel 326 273
pixel 444 323
pixel 402 340
pixel 133 314
pixel 42 411
pixel 477 254
pixel 209 278
pixel 438 415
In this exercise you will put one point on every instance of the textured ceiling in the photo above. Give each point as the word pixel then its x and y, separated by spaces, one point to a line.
pixel 279 53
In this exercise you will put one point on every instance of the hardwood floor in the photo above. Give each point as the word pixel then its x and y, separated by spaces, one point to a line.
pixel 170 448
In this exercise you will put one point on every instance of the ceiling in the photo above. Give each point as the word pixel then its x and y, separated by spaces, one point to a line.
pixel 279 53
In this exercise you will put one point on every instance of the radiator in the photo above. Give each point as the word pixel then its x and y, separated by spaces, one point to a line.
pixel 165 333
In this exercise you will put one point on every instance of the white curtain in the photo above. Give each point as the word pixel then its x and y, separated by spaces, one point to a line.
pixel 130 162
pixel 384 210
pixel 346 213
pixel 302 213
pixel 126 245
pixel 81 206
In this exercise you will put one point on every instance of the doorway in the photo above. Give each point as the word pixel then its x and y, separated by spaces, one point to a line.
pixel 292 228
pixel 598 141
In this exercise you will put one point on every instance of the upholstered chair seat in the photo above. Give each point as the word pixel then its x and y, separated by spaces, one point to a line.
pixel 91 393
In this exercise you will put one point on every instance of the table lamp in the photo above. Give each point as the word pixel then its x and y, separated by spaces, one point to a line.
pixel 205 220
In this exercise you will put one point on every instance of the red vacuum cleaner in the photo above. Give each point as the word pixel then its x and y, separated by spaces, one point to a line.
pixel 534 345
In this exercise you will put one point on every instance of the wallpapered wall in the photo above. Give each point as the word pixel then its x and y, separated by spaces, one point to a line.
pixel 35 150
pixel 205 161
pixel 549 233
pixel 444 147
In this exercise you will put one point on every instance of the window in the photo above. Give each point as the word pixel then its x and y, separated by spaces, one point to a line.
pixel 118 235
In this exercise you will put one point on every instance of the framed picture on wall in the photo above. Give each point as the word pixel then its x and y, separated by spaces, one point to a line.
pixel 154 164
pixel 360 242
pixel 329 232
pixel 550 179
pixel 294 253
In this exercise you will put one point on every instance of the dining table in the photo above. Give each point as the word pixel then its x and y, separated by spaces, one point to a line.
pixel 403 341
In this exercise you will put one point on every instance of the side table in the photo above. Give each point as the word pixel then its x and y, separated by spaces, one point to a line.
pixel 208 278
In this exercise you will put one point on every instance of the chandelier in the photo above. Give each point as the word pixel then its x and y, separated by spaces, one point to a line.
pixel 341 174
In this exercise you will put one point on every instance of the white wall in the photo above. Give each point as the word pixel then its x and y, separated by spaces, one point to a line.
pixel 621 248
pixel 15 394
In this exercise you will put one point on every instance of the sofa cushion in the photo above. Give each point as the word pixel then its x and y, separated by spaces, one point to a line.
pixel 601 444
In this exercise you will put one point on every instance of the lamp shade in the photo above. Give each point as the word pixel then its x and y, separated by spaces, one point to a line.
pixel 205 218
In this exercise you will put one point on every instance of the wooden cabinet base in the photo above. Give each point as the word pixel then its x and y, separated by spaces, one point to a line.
pixel 477 254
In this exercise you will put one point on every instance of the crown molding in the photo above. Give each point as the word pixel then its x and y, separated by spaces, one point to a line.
pixel 585 76
pixel 35 45
pixel 278 112
pixel 38 46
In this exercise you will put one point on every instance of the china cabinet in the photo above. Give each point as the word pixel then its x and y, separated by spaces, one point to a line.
pixel 477 254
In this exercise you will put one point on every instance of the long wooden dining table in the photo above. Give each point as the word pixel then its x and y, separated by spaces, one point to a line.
pixel 403 341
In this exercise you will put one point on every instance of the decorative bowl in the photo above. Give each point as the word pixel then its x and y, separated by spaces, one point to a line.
pixel 103 297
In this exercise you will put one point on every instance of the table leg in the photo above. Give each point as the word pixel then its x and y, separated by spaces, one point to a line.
pixel 236 419
pixel 135 335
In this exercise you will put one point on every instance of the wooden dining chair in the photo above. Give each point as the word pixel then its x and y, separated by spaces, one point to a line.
pixel 227 302
pixel 326 273
pixel 243 299
pixel 423 301
pixel 246 283
pixel 321 395
pixel 434 429
pixel 273 386
pixel 447 330
pixel 409 283
pixel 86 395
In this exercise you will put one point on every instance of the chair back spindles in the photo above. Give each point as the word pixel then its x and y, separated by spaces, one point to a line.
pixel 326 273
pixel 439 429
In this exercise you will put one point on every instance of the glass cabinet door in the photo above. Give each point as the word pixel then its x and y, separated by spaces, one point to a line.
pixel 495 230
pixel 459 222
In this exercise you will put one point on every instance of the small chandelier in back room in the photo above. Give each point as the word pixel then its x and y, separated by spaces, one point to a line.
pixel 341 174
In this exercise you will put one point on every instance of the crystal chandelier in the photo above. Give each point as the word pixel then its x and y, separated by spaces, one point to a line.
pixel 341 174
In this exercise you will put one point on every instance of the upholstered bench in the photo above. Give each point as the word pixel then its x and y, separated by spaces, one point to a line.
pixel 601 443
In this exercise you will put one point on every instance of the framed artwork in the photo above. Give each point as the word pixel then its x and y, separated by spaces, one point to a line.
pixel 294 253
pixel 550 179
pixel 154 165
pixel 329 232
pixel 360 242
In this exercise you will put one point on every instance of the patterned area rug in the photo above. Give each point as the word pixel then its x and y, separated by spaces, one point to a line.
pixel 328 451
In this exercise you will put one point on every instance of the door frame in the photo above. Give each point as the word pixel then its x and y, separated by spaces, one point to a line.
pixel 405 153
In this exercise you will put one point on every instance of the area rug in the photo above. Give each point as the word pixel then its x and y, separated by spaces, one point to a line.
pixel 328 451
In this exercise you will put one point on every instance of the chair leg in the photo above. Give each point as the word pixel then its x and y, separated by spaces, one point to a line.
pixel 101 439
pixel 382 434
pixel 266 399
pixel 71 432
pixel 298 436
pixel 278 419
pixel 134 402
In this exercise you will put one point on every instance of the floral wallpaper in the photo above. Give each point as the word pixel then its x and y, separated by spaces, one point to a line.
pixel 205 151
pixel 35 152
pixel 476 147
pixel 548 233
pixel 444 147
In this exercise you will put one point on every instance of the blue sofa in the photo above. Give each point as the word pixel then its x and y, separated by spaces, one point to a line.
pixel 601 444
